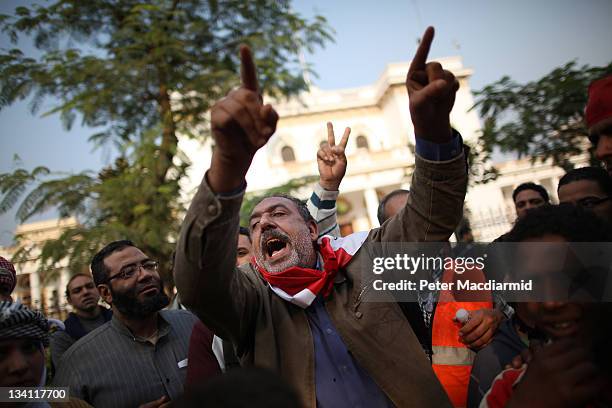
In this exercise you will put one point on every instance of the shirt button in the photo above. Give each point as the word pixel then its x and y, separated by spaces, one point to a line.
pixel 212 209
pixel 329 331
pixel 358 315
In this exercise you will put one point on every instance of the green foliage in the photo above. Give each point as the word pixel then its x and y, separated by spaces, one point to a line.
pixel 143 72
pixel 252 199
pixel 543 119
pixel 124 201
pixel 135 57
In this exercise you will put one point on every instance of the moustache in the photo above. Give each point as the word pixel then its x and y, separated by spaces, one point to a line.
pixel 273 233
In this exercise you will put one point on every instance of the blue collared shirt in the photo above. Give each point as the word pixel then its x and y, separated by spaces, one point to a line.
pixel 439 151
pixel 339 380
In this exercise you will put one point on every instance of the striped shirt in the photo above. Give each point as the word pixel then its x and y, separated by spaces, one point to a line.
pixel 322 206
pixel 111 368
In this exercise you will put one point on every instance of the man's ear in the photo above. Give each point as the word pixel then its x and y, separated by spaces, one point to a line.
pixel 314 230
pixel 105 293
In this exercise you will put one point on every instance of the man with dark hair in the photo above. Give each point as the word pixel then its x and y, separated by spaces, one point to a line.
pixel 590 188
pixel 87 315
pixel 299 309
pixel 572 368
pixel 243 252
pixel 208 353
pixel 527 196
pixel 598 114
pixel 391 204
pixel 140 356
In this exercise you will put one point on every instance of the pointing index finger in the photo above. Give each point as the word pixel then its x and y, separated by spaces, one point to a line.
pixel 420 57
pixel 248 74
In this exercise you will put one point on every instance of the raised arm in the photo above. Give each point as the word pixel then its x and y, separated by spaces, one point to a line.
pixel 439 181
pixel 331 160
pixel 205 273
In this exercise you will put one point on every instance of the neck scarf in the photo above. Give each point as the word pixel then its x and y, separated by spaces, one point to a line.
pixel 301 286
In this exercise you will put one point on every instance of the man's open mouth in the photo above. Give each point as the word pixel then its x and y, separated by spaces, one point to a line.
pixel 275 248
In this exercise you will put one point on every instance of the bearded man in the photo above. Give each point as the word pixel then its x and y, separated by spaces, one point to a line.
pixel 140 356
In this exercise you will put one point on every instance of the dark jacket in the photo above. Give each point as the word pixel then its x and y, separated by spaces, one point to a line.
pixel 272 333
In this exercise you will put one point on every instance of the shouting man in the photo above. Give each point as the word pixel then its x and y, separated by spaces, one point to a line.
pixel 298 307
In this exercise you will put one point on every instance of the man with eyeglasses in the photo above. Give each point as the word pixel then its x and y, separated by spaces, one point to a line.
pixel 87 315
pixel 590 188
pixel 139 358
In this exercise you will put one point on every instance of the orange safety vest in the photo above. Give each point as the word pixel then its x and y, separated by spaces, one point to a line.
pixel 452 360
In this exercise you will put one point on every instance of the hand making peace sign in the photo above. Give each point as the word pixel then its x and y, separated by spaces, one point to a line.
pixel 431 91
pixel 331 159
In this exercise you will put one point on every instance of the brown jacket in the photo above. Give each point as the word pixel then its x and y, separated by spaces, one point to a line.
pixel 272 333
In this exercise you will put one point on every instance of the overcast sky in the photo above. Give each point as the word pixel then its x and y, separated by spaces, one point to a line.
pixel 520 38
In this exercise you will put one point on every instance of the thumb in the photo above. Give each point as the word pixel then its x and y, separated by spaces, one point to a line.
pixel 436 89
pixel 270 117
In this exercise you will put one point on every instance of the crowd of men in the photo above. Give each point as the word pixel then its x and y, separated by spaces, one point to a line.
pixel 275 313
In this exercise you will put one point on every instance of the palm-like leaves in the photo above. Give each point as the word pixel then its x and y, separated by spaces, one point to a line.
pixel 140 73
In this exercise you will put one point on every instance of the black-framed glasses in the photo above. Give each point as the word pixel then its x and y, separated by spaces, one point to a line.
pixel 128 271
pixel 592 202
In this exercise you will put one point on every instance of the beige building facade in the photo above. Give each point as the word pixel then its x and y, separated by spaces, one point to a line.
pixel 40 290
pixel 380 151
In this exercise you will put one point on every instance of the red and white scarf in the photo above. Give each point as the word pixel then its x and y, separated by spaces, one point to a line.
pixel 301 286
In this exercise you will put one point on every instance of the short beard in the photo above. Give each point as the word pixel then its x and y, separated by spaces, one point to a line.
pixel 128 304
pixel 302 254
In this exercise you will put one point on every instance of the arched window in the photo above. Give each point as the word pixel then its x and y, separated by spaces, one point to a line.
pixel 287 154
pixel 362 142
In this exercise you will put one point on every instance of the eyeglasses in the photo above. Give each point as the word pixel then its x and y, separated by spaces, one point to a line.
pixel 128 271
pixel 591 202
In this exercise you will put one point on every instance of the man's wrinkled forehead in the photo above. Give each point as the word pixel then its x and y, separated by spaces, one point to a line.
pixel 271 203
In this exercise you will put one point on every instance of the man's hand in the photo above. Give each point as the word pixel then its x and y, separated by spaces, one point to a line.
pixel 479 330
pixel 331 159
pixel 431 91
pixel 241 124
pixel 525 356
pixel 163 402
pixel 561 374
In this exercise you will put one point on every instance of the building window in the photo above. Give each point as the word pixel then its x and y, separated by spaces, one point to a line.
pixel 362 142
pixel 287 154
